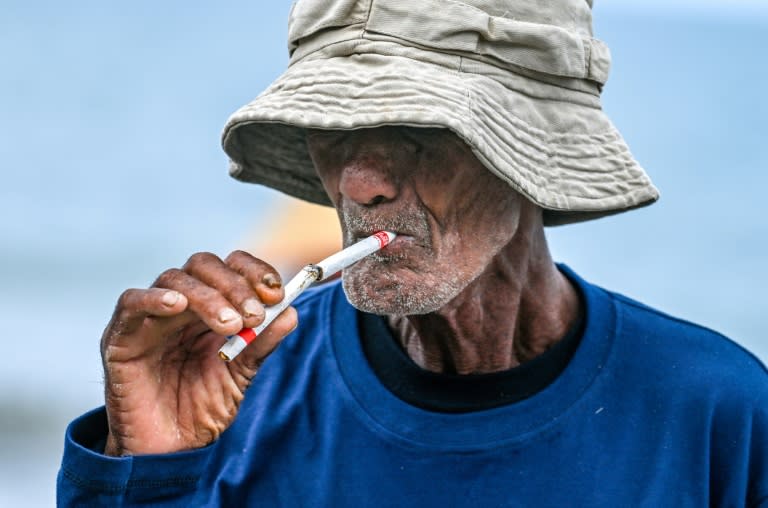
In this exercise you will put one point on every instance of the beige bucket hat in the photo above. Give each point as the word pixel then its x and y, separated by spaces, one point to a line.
pixel 518 80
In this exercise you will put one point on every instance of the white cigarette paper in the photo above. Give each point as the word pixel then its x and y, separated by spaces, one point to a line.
pixel 305 278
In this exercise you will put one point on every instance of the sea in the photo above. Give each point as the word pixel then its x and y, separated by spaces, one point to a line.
pixel 111 172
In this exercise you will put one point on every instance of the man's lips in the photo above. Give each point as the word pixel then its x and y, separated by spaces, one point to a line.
pixel 401 242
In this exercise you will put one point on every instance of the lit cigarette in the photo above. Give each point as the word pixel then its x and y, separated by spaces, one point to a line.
pixel 305 278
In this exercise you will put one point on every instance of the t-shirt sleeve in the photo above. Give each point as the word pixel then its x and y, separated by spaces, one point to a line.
pixel 89 478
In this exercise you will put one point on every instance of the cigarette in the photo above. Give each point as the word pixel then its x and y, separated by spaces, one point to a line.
pixel 306 277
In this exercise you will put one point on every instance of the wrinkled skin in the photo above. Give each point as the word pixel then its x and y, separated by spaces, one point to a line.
pixel 451 214
pixel 468 285
pixel 166 389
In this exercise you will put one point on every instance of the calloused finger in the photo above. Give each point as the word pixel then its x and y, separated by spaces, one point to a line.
pixel 262 276
pixel 211 270
pixel 206 302
pixel 134 305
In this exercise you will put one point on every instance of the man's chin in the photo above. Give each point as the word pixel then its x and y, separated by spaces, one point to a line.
pixel 382 295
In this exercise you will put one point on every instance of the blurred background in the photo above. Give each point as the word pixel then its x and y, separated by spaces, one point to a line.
pixel 111 172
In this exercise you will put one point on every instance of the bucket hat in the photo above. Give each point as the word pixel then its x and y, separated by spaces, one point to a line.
pixel 518 80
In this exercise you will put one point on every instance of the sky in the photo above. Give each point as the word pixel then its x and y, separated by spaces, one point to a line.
pixel 730 8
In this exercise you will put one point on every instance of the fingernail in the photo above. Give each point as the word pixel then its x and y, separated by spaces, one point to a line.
pixel 226 315
pixel 252 307
pixel 170 298
pixel 271 281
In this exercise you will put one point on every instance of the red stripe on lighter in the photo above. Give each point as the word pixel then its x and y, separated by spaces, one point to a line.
pixel 305 278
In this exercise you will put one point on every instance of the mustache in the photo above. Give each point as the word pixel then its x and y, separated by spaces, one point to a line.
pixel 358 224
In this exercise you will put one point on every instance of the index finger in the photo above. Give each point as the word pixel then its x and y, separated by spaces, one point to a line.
pixel 135 305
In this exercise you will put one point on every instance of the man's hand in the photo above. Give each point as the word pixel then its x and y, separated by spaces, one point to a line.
pixel 166 388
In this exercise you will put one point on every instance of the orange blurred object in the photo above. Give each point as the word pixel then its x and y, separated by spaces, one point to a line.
pixel 300 233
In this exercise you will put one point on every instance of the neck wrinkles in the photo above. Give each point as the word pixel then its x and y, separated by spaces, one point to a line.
pixel 518 308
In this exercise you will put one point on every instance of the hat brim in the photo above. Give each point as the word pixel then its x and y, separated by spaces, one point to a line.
pixel 552 144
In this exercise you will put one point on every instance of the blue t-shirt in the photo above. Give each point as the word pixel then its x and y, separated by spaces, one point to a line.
pixel 650 411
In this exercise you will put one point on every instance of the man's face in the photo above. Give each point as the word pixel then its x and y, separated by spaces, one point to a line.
pixel 452 216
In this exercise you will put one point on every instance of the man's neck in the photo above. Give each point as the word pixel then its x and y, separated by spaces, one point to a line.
pixel 519 307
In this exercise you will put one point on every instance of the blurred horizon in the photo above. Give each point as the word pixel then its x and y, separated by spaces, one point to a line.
pixel 110 117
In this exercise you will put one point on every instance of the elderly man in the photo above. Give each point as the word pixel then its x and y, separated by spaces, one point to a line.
pixel 459 366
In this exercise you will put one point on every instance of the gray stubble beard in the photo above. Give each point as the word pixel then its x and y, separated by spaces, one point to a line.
pixel 392 295
pixel 395 298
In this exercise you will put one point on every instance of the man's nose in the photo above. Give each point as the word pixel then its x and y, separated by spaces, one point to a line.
pixel 368 177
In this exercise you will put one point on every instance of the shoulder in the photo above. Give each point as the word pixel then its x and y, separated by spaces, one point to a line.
pixel 709 388
pixel 691 355
pixel 653 327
